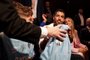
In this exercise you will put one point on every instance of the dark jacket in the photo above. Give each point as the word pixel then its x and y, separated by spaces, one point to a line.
pixel 13 26
pixel 85 36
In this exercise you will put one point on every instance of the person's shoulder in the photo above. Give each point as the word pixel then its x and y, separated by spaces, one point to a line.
pixel 50 25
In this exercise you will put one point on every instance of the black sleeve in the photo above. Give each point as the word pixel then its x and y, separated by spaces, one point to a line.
pixel 83 36
pixel 15 27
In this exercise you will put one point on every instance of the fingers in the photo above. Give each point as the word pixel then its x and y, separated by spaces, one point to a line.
pixel 61 35
pixel 63 31
pixel 59 38
pixel 56 32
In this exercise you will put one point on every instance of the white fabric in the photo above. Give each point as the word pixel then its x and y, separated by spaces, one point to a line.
pixel 81 19
pixel 44 32
pixel 35 8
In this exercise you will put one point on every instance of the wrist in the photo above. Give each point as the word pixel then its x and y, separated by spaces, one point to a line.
pixel 44 32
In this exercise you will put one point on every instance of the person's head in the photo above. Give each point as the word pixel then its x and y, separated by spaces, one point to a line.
pixel 58 17
pixel 80 11
pixel 47 3
pixel 69 21
pixel 24 12
pixel 88 22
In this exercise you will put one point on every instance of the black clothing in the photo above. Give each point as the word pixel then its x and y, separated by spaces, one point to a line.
pixel 13 26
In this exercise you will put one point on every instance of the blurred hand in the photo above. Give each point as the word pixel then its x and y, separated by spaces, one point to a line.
pixel 83 50
pixel 44 17
pixel 56 32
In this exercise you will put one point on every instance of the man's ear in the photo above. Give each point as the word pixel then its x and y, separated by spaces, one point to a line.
pixel 53 18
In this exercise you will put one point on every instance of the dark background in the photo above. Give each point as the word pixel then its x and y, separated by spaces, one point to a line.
pixel 71 6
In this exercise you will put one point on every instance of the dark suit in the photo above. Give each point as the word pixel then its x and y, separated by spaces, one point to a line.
pixel 85 38
pixel 77 23
pixel 77 20
pixel 15 27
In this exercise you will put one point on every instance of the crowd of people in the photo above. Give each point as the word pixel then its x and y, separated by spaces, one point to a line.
pixel 18 22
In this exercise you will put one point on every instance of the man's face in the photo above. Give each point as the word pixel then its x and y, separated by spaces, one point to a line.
pixel 58 18
pixel 80 11
pixel 47 4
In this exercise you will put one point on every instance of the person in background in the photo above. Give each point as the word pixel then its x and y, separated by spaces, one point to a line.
pixel 58 18
pixel 43 23
pixel 78 48
pixel 54 49
pixel 85 35
pixel 48 12
pixel 79 20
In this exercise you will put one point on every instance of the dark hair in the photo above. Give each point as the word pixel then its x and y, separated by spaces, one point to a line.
pixel 61 10
pixel 21 9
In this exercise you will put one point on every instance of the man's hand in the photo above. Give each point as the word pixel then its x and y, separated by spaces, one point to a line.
pixel 56 32
pixel 83 49
pixel 44 18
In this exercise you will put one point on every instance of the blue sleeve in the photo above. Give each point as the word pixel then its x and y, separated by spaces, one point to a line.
pixel 42 23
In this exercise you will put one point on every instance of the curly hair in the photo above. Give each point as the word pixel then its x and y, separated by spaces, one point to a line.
pixel 22 10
